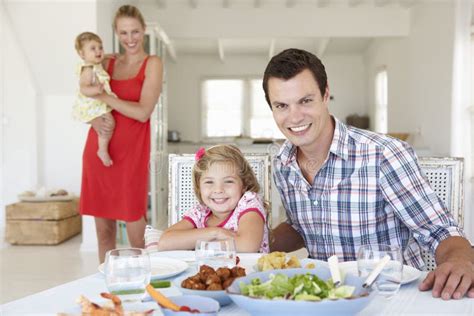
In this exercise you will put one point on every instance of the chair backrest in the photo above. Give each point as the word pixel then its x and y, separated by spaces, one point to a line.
pixel 446 178
pixel 181 190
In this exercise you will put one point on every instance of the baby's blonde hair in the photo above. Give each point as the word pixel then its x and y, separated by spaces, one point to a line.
pixel 129 11
pixel 225 154
pixel 85 37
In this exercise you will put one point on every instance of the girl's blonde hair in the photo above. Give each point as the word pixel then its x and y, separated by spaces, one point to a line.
pixel 225 154
pixel 85 37
pixel 129 11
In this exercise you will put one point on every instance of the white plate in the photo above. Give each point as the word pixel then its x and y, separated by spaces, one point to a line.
pixel 26 198
pixel 162 267
pixel 410 273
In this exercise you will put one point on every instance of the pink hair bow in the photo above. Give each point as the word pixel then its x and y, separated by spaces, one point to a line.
pixel 200 153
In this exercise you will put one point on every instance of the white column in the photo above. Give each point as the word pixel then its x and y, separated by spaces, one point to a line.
pixel 461 118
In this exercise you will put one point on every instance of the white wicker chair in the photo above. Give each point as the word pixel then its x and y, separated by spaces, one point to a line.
pixel 181 190
pixel 446 178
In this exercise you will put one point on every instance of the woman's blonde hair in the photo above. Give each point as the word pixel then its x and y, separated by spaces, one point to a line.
pixel 85 37
pixel 129 11
pixel 225 154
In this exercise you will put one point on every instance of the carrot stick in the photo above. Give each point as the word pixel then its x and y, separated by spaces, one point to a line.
pixel 161 299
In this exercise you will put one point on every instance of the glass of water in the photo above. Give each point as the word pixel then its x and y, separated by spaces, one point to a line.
pixel 216 253
pixel 127 273
pixel 389 280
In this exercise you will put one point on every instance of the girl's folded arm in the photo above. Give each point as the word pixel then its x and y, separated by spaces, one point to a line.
pixel 250 234
pixel 183 236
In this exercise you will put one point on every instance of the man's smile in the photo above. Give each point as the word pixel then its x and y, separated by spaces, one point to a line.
pixel 299 129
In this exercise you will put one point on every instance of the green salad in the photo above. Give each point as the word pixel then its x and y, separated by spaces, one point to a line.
pixel 306 287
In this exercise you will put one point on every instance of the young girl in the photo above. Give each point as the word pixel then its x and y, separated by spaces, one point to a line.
pixel 229 205
pixel 93 81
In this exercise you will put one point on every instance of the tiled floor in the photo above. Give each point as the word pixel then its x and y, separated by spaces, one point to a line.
pixel 29 269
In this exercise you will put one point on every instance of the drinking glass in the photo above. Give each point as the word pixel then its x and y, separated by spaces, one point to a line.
pixel 388 282
pixel 127 272
pixel 216 253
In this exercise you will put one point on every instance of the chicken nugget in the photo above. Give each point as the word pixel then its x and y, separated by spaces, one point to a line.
pixel 224 273
pixel 227 282
pixel 214 287
pixel 238 272
pixel 213 278
pixel 205 272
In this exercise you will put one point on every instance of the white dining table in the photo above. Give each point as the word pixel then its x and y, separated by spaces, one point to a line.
pixel 61 299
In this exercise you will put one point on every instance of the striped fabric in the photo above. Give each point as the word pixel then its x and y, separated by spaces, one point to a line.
pixel 369 190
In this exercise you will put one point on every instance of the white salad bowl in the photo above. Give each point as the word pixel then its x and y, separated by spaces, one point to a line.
pixel 261 306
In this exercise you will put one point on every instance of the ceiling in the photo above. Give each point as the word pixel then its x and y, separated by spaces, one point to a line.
pixel 222 46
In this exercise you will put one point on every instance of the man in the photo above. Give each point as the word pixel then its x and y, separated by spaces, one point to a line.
pixel 344 187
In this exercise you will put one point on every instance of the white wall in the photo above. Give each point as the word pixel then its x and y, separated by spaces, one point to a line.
pixel 347 84
pixel 19 104
pixel 419 76
pixel 420 85
pixel 346 79
pixel 42 144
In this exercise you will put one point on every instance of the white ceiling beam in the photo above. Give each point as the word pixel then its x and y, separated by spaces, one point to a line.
pixel 322 45
pixel 330 22
pixel 271 50
pixel 353 3
pixel 322 3
pixel 161 34
pixel 407 3
pixel 220 49
pixel 381 3
pixel 193 4
pixel 172 52
pixel 290 3
pixel 161 4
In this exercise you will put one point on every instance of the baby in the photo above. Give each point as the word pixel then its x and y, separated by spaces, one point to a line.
pixel 93 81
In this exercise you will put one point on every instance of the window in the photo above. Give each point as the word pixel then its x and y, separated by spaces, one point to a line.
pixel 223 107
pixel 381 97
pixel 237 107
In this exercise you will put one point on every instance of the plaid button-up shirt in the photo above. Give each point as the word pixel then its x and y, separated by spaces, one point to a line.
pixel 370 190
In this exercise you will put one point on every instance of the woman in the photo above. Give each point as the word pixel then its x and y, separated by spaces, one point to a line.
pixel 120 192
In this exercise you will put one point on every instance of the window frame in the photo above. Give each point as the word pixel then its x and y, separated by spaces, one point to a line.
pixel 380 106
pixel 246 107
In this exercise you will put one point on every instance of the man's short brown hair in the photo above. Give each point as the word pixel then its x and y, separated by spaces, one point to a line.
pixel 291 62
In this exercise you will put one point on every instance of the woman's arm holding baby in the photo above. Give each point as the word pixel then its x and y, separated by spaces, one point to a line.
pixel 250 234
pixel 151 90
pixel 183 236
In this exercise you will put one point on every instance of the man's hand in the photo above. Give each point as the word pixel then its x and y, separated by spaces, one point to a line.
pixel 454 275
pixel 285 238
pixel 103 125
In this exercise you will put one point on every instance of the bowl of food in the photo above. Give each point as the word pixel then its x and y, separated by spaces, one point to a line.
pixel 192 305
pixel 299 291
pixel 277 260
pixel 210 283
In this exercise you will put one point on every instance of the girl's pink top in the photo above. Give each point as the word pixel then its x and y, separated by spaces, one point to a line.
pixel 249 202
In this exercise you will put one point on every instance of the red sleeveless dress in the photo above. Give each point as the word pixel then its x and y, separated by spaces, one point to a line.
pixel 120 191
